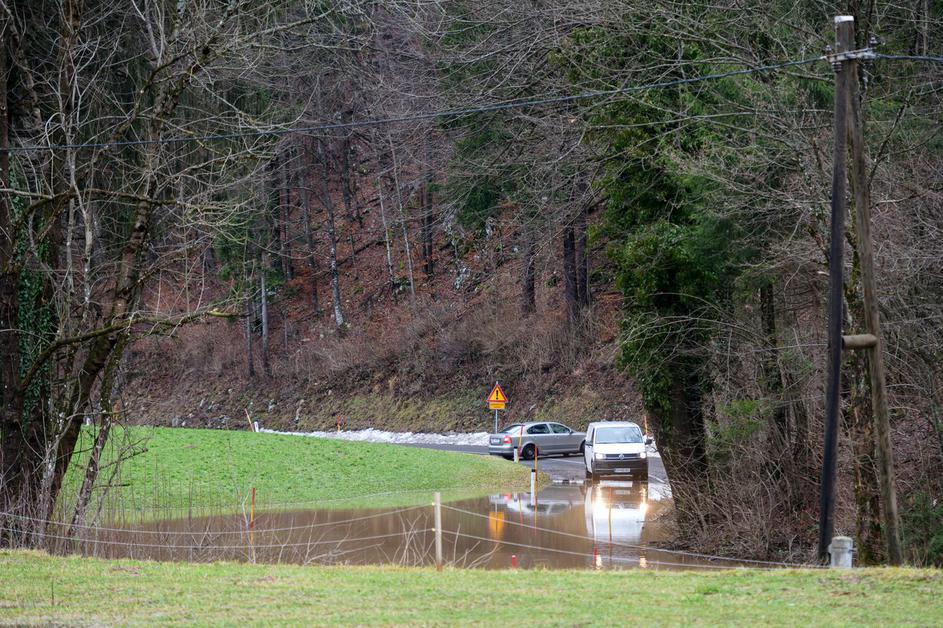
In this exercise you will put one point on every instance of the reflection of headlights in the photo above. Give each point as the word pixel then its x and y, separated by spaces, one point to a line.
pixel 643 455
pixel 600 456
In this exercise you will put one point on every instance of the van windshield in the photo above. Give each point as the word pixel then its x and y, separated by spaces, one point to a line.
pixel 627 434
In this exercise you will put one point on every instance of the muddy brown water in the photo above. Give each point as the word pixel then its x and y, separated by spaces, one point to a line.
pixel 611 525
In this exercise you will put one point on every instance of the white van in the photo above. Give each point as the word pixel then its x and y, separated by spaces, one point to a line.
pixel 615 449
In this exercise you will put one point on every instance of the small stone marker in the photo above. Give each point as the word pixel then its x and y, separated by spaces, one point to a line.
pixel 840 550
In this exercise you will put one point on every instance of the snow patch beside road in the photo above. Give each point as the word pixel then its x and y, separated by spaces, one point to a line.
pixel 475 439
pixel 381 436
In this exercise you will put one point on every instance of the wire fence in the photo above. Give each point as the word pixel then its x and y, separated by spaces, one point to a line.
pixel 645 548
pixel 479 532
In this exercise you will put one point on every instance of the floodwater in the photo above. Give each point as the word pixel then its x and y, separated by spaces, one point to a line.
pixel 606 526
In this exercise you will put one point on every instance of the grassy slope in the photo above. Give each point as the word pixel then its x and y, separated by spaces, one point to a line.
pixel 217 468
pixel 130 592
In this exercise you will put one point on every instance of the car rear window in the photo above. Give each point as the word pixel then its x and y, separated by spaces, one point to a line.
pixel 511 428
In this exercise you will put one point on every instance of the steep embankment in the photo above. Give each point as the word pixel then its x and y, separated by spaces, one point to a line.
pixel 422 362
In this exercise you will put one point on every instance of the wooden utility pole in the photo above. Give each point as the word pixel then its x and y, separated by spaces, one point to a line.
pixel 844 25
pixel 861 188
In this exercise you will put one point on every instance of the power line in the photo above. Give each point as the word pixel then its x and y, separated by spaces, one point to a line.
pixel 450 113
pixel 925 58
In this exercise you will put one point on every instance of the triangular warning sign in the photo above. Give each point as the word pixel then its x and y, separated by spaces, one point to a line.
pixel 497 395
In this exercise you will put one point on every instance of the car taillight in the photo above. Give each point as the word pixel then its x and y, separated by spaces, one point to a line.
pixel 507 440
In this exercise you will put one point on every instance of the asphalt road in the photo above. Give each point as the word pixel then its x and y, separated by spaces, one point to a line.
pixel 559 468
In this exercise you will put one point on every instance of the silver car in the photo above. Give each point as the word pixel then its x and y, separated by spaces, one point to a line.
pixel 536 438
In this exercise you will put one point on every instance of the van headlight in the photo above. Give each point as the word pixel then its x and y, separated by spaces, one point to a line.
pixel 600 456
pixel 643 455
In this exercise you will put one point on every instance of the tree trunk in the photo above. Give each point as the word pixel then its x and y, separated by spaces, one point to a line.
pixel 528 277
pixel 312 258
pixel 309 232
pixel 91 475
pixel 570 281
pixel 349 182
pixel 679 428
pixel 583 295
pixel 772 378
pixel 347 195
pixel 273 217
pixel 402 218
pixel 284 249
pixel 386 239
pixel 266 365
pixel 12 442
pixel 427 223
pixel 331 234
pixel 250 362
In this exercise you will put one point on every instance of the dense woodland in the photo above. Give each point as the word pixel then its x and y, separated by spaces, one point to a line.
pixel 198 223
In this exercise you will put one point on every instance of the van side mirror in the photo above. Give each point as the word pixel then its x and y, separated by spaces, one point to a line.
pixel 648 440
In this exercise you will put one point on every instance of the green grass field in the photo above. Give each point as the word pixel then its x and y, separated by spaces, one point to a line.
pixel 41 589
pixel 177 469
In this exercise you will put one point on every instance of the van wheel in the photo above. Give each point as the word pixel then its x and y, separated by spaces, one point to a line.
pixel 592 477
pixel 528 452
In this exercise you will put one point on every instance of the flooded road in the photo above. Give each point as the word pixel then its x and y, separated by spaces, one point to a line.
pixel 607 526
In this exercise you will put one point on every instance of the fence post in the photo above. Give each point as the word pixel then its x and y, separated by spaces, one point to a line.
pixel 252 519
pixel 438 531
pixel 533 487
pixel 517 455
pixel 840 550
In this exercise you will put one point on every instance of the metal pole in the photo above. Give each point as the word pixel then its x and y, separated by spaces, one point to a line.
pixel 495 421
pixel 438 531
pixel 844 25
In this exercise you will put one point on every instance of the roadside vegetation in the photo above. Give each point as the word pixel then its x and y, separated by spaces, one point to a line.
pixel 163 470
pixel 44 589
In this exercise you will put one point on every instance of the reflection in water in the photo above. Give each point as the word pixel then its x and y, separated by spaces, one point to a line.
pixel 563 526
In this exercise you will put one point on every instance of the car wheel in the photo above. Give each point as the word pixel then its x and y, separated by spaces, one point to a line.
pixel 528 452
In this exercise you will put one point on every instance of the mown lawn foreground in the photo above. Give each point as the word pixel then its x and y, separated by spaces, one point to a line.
pixel 184 468
pixel 37 588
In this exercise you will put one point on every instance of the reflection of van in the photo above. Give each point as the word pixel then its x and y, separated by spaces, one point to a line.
pixel 615 448
pixel 615 512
